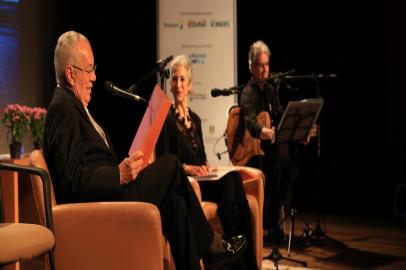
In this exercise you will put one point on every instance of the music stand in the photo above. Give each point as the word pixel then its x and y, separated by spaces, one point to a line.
pixel 295 125
pixel 318 232
pixel 298 119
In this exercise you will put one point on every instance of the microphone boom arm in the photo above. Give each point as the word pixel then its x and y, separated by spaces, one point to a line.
pixel 238 88
pixel 159 66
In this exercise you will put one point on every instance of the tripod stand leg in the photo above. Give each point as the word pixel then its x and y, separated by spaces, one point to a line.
pixel 307 230
pixel 307 226
pixel 276 256
pixel 319 234
pixel 292 229
pixel 296 261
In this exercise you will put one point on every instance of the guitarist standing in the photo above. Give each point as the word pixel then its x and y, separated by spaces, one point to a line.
pixel 259 102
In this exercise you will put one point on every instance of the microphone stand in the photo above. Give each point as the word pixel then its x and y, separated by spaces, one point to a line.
pixel 275 256
pixel 238 88
pixel 313 76
pixel 159 67
pixel 318 231
pixel 162 75
pixel 272 77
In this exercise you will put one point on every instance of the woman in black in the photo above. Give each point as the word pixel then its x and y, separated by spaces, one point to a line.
pixel 182 136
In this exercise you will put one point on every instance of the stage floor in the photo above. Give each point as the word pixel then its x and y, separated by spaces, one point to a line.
pixel 373 241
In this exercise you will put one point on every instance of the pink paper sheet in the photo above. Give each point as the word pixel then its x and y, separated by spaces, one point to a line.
pixel 151 124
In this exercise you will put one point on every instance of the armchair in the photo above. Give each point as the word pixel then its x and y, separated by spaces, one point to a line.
pixel 104 235
pixel 22 241
pixel 254 189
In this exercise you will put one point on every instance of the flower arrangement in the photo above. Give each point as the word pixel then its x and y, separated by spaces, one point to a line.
pixel 17 119
pixel 37 122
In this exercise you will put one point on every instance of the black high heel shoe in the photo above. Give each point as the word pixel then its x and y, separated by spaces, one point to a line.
pixel 234 247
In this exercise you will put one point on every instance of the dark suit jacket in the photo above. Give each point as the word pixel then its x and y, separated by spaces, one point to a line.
pixel 81 166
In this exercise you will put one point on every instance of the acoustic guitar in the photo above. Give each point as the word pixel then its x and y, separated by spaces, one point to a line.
pixel 240 144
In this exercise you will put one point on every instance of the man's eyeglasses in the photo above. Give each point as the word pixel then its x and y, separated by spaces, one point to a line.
pixel 263 65
pixel 87 71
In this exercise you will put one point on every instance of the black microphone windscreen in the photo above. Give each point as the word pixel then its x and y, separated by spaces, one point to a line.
pixel 108 86
pixel 216 92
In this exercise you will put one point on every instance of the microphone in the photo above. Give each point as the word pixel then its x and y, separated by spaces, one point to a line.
pixel 161 63
pixel 281 75
pixel 115 90
pixel 326 76
pixel 215 92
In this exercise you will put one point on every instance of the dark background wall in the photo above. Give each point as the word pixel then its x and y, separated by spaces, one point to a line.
pixel 362 144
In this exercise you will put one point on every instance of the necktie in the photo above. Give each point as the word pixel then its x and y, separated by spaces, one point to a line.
pixel 97 127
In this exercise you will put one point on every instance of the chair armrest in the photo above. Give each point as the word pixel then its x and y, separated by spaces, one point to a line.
pixel 196 188
pixel 253 180
pixel 108 235
pixel 46 186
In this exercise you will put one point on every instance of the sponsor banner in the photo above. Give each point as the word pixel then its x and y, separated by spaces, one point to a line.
pixel 206 32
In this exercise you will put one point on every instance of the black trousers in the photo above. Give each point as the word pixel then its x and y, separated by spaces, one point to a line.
pixel 165 185
pixel 234 212
pixel 228 192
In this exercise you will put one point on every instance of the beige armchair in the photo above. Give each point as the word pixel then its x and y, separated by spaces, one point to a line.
pixel 254 188
pixel 104 235
pixel 23 241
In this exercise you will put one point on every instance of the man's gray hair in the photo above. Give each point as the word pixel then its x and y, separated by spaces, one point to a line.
pixel 257 47
pixel 65 54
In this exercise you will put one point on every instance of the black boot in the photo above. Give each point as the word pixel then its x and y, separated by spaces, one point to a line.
pixel 229 218
pixel 232 250
pixel 236 220
pixel 246 229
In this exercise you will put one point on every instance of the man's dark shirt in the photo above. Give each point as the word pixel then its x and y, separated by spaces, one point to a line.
pixel 253 100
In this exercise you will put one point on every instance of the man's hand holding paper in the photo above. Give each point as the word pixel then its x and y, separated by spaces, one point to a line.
pixel 130 167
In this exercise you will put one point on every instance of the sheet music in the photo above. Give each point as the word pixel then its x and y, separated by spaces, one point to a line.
pixel 298 119
pixel 215 173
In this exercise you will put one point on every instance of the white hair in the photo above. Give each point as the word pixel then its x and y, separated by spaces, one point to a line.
pixel 257 47
pixel 65 54
pixel 184 61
